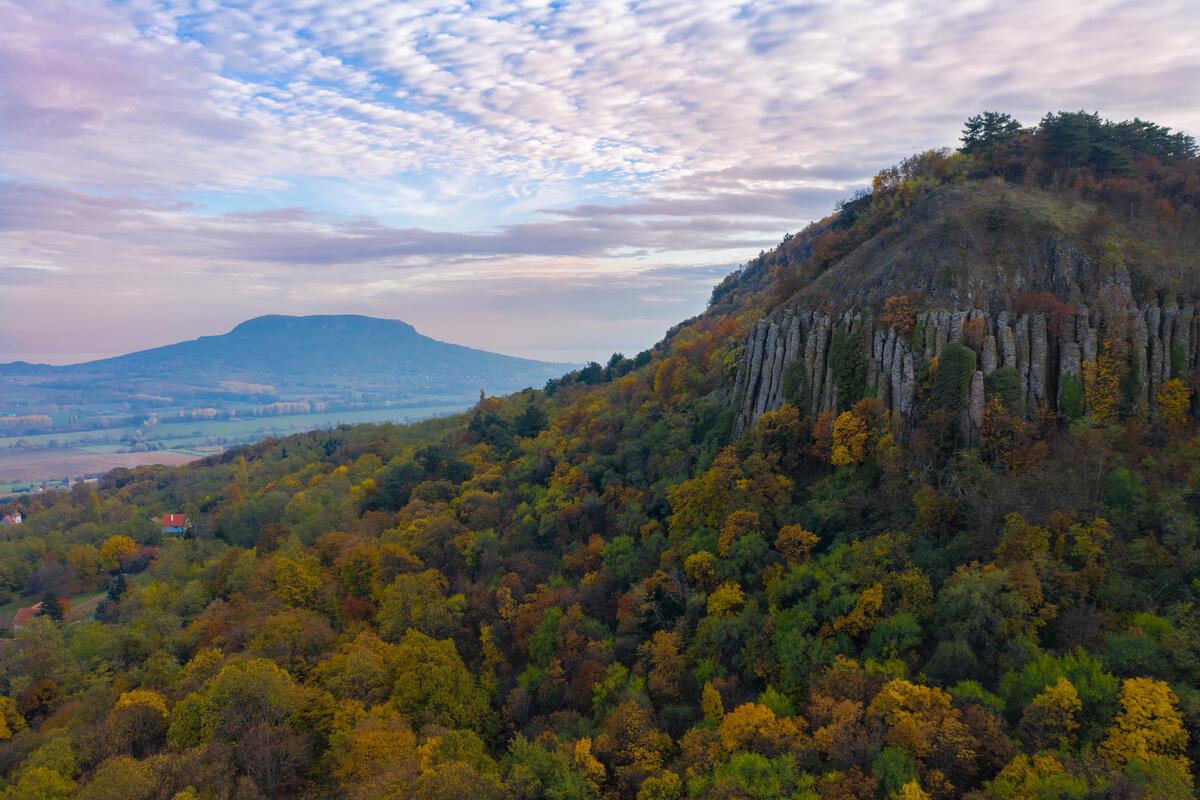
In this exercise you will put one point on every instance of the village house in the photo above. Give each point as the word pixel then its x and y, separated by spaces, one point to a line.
pixel 14 518
pixel 174 524
pixel 24 615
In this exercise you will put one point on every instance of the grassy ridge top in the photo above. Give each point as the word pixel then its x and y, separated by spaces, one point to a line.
pixel 1059 207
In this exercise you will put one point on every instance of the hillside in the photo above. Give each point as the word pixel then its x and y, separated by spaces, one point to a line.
pixel 1016 274
pixel 909 512
pixel 294 358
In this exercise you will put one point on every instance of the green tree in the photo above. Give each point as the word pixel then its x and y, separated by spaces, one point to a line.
pixel 1069 136
pixel 364 669
pixel 121 778
pixel 419 601
pixel 1095 688
pixel 534 771
pixel 434 684
pixel 532 420
pixel 1005 383
pixel 52 607
pixel 239 697
pixel 956 366
pixel 982 133
pixel 40 783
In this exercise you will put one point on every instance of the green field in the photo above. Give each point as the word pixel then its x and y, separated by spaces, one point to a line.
pixel 29 460
pixel 187 433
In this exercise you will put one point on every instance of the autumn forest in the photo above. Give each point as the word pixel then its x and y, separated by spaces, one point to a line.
pixel 911 511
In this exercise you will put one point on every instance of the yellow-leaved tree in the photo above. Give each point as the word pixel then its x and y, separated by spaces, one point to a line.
pixel 725 598
pixel 1102 386
pixel 754 727
pixel 796 543
pixel 373 744
pixel 1174 399
pixel 144 698
pixel 588 765
pixel 1148 724
pixel 849 440
pixel 84 560
pixel 114 548
pixel 923 722
pixel 701 569
pixel 911 791
pixel 863 433
pixel 11 720
pixel 1050 719
pixel 862 617
pixel 712 705
pixel 738 524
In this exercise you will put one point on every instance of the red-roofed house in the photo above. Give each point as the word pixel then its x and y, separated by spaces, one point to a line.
pixel 174 524
pixel 22 617
pixel 11 519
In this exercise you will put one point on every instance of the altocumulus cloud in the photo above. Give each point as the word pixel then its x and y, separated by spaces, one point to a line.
pixel 534 166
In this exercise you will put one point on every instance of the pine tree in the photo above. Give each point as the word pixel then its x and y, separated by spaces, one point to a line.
pixel 51 607
pixel 1069 136
pixel 531 420
pixel 982 133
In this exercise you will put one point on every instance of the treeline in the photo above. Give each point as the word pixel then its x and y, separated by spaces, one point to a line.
pixel 592 373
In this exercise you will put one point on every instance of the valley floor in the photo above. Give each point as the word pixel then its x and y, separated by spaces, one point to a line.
pixel 27 462
pixel 19 469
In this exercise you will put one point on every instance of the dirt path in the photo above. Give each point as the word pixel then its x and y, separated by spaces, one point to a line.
pixel 84 608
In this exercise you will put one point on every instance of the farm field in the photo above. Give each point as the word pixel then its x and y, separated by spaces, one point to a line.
pixel 200 431
pixel 20 468
pixel 30 460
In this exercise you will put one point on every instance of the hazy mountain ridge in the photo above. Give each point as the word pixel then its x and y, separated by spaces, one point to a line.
pixel 315 351
pixel 268 376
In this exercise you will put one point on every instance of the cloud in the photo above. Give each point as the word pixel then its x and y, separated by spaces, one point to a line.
pixel 216 95
pixel 344 147
pixel 14 274
pixel 298 236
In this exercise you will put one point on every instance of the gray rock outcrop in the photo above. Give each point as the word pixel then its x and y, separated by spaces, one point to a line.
pixel 1158 343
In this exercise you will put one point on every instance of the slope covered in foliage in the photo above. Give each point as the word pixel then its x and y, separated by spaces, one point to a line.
pixel 597 590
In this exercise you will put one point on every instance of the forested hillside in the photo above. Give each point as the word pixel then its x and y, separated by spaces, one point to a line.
pixel 679 575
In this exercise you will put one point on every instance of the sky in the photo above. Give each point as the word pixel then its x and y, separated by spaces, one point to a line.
pixel 557 180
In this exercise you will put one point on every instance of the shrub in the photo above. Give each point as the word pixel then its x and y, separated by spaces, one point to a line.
pixel 849 367
pixel 795 387
pixel 1005 383
pixel 1174 399
pixel 955 368
pixel 900 312
pixel 1070 396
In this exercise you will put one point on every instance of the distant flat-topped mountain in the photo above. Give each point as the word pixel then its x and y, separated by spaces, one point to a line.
pixel 336 358
pixel 332 349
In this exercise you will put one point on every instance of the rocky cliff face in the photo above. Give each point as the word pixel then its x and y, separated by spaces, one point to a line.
pixel 1051 358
